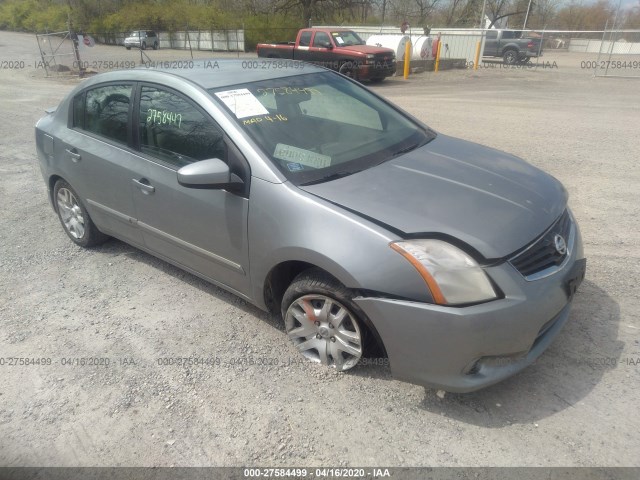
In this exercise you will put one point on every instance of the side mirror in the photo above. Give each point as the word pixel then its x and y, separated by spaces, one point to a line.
pixel 212 173
pixel 327 45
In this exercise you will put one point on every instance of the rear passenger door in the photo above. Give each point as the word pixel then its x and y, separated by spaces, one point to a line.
pixel 96 158
pixel 203 230
pixel 491 44
pixel 304 43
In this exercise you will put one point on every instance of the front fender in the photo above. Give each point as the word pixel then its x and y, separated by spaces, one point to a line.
pixel 286 223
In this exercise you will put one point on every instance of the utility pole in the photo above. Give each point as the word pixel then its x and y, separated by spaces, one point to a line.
pixel 484 6
pixel 526 17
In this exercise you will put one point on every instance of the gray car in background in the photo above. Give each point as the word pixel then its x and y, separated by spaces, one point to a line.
pixel 308 195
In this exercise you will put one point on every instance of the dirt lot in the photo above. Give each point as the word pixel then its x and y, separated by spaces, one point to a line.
pixel 577 406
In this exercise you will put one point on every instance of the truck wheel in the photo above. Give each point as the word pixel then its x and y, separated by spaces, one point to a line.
pixel 510 57
pixel 377 80
pixel 347 70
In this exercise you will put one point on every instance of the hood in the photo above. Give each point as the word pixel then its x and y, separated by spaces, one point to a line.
pixel 367 49
pixel 490 200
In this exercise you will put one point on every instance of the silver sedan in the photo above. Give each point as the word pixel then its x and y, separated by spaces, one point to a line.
pixel 308 195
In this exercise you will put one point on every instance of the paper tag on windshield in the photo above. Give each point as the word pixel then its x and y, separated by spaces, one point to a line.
pixel 242 103
pixel 299 155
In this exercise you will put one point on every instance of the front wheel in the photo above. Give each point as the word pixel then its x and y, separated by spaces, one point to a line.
pixel 144 46
pixel 128 48
pixel 74 217
pixel 347 69
pixel 323 322
pixel 155 45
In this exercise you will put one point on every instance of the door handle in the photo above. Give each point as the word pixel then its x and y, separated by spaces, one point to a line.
pixel 143 184
pixel 74 155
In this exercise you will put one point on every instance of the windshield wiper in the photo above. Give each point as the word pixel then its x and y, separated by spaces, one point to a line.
pixel 328 178
pixel 407 149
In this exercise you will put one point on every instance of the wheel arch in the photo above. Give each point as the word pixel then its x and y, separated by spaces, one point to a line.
pixel 282 275
pixel 53 179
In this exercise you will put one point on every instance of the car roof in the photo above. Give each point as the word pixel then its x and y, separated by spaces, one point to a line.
pixel 214 73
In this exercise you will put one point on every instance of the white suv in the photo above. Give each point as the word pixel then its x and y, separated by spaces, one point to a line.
pixel 141 39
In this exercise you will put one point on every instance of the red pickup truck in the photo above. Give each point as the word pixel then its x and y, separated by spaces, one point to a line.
pixel 337 48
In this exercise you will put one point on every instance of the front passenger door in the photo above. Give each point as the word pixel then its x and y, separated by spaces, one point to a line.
pixel 204 230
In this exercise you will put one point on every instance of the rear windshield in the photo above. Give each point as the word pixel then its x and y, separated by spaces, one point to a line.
pixel 315 127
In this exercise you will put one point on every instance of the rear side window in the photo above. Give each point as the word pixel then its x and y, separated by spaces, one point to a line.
pixel 174 131
pixel 492 35
pixel 106 111
pixel 305 39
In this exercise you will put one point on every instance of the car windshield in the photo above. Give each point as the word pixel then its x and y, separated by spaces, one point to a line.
pixel 346 39
pixel 319 126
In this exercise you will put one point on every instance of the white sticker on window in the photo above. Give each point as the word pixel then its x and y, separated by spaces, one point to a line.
pixel 301 156
pixel 339 40
pixel 242 103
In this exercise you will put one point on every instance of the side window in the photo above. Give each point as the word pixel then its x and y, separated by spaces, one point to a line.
pixel 305 39
pixel 492 35
pixel 321 40
pixel 173 130
pixel 507 34
pixel 107 111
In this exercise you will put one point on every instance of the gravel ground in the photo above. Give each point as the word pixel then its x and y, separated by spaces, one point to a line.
pixel 577 406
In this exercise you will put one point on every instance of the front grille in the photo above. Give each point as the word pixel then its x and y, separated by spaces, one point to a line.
pixel 543 254
pixel 383 59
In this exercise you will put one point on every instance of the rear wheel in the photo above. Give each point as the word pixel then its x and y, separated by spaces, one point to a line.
pixel 323 322
pixel 377 80
pixel 510 57
pixel 74 217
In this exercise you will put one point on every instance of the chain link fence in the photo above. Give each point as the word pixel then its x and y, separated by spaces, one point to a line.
pixel 58 53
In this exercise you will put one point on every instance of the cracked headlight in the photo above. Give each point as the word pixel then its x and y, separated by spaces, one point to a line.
pixel 453 277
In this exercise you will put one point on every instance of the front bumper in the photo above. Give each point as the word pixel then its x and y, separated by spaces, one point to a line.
pixel 382 70
pixel 468 348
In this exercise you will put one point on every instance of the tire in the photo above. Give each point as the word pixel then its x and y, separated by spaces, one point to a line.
pixel 74 217
pixel 377 80
pixel 510 57
pixel 323 322
pixel 144 46
pixel 155 45
pixel 128 48
pixel 347 69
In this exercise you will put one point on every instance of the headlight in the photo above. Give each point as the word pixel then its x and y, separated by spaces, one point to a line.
pixel 371 57
pixel 453 277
